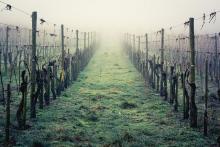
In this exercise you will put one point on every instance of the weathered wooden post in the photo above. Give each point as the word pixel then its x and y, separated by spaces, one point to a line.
pixel 53 79
pixel 7 124
pixel 44 48
pixel 91 35
pixel 84 40
pixel 171 85
pixel 139 43
pixel 24 95
pixel 1 49
pixel 216 59
pixel 85 51
pixel 133 50
pixel 88 44
pixel 77 40
pixel 33 65
pixel 158 81
pixel 129 46
pixel 146 60
pixel 162 61
pixel 56 82
pixel 28 56
pixel 154 73
pixel 62 46
pixel 62 75
pixel 176 104
pixel 48 83
pixel 1 80
pixel 162 48
pixel 206 99
pixel 185 112
pixel 6 50
pixel 193 108
pixel 77 52
pixel 139 54
pixel 218 77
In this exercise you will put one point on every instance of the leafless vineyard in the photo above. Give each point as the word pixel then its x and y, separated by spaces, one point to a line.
pixel 182 64
pixel 37 64
pixel 39 60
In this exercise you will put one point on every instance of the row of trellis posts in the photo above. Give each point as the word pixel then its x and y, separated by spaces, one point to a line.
pixel 43 81
pixel 155 72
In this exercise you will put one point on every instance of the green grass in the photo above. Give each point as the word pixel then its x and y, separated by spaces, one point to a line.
pixel 109 105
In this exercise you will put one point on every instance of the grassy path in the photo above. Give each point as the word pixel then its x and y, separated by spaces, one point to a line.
pixel 109 106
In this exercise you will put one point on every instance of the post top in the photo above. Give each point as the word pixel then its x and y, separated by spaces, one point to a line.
pixel 191 18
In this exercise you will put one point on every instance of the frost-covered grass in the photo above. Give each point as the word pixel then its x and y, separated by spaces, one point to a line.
pixel 109 105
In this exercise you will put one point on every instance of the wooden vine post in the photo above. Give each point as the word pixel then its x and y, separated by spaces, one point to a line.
pixel 77 40
pixel 91 38
pixel 1 80
pixel 216 60
pixel 7 124
pixel 77 52
pixel 139 43
pixel 53 79
pixel 1 48
pixel 84 40
pixel 193 108
pixel 33 65
pixel 171 84
pixel 154 72
pixel 89 54
pixel 176 92
pixel 85 51
pixel 47 85
pixel 62 76
pixel 162 61
pixel 62 46
pixel 146 60
pixel 185 104
pixel 133 50
pixel 206 99
pixel 130 48
pixel 139 54
pixel 94 38
pixel 6 50
pixel 88 44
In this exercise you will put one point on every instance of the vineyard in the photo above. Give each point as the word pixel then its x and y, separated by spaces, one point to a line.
pixel 37 65
pixel 184 69
pixel 61 86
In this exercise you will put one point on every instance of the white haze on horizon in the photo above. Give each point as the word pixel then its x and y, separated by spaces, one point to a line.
pixel 113 16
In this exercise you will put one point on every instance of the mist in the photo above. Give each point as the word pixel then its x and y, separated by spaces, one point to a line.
pixel 111 16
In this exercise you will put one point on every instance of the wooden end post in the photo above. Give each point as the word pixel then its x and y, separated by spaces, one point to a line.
pixel 193 108
pixel 33 65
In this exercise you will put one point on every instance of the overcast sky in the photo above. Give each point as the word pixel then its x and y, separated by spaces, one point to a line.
pixel 113 15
